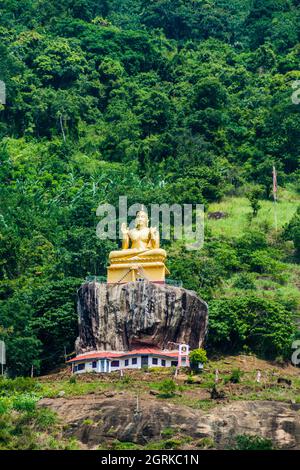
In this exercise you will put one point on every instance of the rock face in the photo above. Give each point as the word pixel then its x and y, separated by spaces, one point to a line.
pixel 117 317
pixel 116 418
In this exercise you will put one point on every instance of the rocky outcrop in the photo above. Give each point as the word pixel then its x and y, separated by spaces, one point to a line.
pixel 119 418
pixel 117 317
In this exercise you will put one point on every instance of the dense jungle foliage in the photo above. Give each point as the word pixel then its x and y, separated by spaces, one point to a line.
pixel 164 101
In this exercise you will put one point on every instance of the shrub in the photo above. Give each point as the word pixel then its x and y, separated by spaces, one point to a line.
pixel 167 432
pixel 250 242
pixel 24 403
pixel 72 444
pixel 197 356
pixel 292 231
pixel 262 261
pixel 19 384
pixel 190 379
pixel 167 388
pixel 88 422
pixel 247 442
pixel 265 326
pixel 126 379
pixel 45 419
pixel 6 429
pixel 118 445
pixel 236 376
pixel 254 194
pixel 171 444
pixel 5 405
pixel 245 281
pixel 205 443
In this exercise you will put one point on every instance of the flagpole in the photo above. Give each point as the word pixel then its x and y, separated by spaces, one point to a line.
pixel 275 197
pixel 275 214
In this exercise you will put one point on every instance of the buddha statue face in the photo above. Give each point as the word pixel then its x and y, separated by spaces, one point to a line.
pixel 141 220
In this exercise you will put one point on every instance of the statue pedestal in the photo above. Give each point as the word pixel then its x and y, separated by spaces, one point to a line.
pixel 133 265
pixel 154 271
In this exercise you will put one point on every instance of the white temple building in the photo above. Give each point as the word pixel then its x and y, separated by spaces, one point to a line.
pixel 106 361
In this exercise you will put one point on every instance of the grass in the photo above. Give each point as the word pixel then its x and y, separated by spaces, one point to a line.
pixel 26 426
pixel 195 396
pixel 52 389
pixel 195 403
pixel 239 211
pixel 175 442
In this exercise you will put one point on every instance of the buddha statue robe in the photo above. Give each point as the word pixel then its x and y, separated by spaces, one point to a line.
pixel 140 257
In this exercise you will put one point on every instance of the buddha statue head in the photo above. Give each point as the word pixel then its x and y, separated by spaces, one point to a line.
pixel 141 219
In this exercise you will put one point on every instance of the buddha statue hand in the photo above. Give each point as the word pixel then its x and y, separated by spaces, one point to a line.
pixel 124 229
pixel 153 232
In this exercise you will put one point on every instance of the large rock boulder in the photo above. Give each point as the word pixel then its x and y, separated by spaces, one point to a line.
pixel 117 418
pixel 117 317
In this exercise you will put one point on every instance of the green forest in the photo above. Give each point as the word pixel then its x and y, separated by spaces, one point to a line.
pixel 164 101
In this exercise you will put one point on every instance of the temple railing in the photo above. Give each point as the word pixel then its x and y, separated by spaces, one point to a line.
pixel 173 282
pixel 96 279
pixel 102 279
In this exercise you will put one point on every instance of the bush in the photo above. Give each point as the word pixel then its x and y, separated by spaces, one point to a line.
pixel 292 231
pixel 167 388
pixel 262 261
pixel 250 242
pixel 197 356
pixel 247 442
pixel 265 326
pixel 45 419
pixel 245 281
pixel 19 384
pixel 24 403
pixel 205 443
pixel 254 194
pixel 5 405
pixel 118 445
pixel 171 444
pixel 167 432
pixel 236 376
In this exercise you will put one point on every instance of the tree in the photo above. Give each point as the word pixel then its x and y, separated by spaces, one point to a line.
pixel 254 194
pixel 292 231
pixel 160 100
pixel 197 356
pixel 265 326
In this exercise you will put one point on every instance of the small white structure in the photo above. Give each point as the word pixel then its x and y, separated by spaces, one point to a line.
pixel 105 361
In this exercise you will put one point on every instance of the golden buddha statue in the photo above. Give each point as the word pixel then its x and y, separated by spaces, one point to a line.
pixel 143 260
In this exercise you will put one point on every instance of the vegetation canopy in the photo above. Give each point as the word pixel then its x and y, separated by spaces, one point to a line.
pixel 164 101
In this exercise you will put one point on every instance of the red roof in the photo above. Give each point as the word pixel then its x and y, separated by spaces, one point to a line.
pixel 120 354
